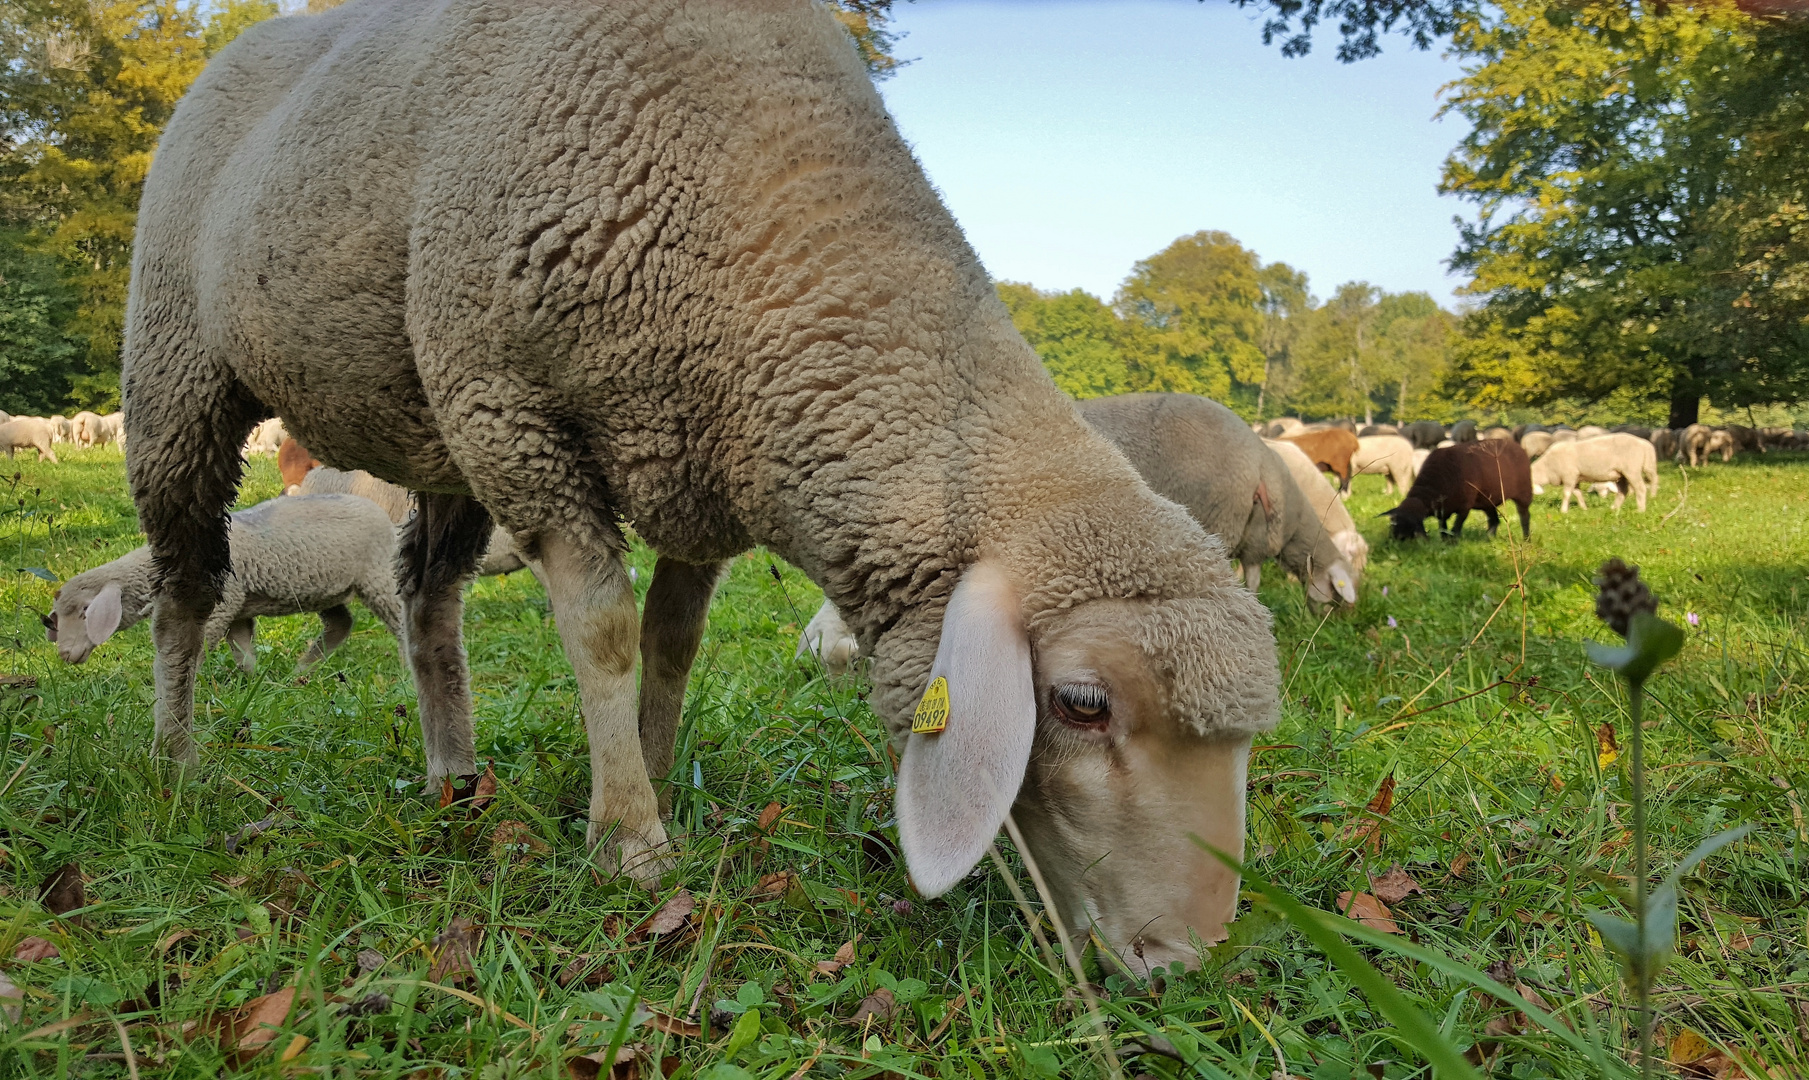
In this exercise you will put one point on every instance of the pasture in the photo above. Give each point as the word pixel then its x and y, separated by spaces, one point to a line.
pixel 307 860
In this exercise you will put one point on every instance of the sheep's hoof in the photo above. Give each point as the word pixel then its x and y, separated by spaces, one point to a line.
pixel 640 854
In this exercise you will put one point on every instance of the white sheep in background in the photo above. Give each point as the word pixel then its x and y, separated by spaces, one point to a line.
pixel 1627 461
pixel 29 433
pixel 84 428
pixel 500 557
pixel 1328 518
pixel 60 428
pixel 265 439
pixel 289 556
pixel 673 263
pixel 1391 456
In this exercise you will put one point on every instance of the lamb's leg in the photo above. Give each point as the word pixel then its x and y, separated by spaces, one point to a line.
pixel 1638 484
pixel 672 626
pixel 1253 576
pixel 335 627
pixel 186 417
pixel 440 549
pixel 593 605
pixel 241 637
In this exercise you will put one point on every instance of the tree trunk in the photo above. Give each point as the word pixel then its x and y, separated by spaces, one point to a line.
pixel 1686 408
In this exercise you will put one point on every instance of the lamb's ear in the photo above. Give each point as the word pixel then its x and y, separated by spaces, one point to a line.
pixel 956 785
pixel 103 614
pixel 50 624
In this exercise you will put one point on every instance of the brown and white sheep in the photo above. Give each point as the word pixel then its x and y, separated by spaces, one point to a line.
pixel 559 265
pixel 1331 450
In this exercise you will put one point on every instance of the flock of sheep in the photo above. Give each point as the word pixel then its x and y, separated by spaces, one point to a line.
pixel 40 433
pixel 672 263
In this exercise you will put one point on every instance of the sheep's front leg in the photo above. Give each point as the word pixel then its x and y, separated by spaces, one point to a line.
pixel 678 604
pixel 1253 576
pixel 335 627
pixel 440 549
pixel 593 606
pixel 241 638
pixel 176 632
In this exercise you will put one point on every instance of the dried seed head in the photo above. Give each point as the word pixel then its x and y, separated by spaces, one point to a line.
pixel 1621 595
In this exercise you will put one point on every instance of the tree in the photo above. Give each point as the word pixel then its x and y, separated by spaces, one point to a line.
pixel 1612 159
pixel 1194 313
pixel 35 349
pixel 1077 336
pixel 1285 304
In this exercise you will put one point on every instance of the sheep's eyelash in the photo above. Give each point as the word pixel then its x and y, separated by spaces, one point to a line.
pixel 1083 695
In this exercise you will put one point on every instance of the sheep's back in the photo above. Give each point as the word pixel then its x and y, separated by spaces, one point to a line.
pixel 304 552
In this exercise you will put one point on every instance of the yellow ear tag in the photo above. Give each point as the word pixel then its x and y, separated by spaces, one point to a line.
pixel 932 712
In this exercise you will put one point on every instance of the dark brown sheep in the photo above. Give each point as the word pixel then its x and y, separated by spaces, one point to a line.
pixel 1424 434
pixel 1331 450
pixel 1468 476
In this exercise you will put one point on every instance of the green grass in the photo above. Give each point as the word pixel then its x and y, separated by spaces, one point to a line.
pixel 1500 811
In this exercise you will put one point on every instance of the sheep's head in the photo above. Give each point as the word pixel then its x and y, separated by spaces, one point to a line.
pixel 1332 582
pixel 1113 732
pixel 1409 519
pixel 84 613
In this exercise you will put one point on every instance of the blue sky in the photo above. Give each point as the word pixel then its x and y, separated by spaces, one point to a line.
pixel 1073 137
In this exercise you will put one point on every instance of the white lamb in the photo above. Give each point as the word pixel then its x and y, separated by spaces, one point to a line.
pixel 29 433
pixel 1388 455
pixel 1627 461
pixel 289 555
pixel 501 557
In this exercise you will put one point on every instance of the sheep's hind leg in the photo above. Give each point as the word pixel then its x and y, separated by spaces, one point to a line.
pixel 593 606
pixel 1494 520
pixel 335 627
pixel 241 637
pixel 440 549
pixel 678 604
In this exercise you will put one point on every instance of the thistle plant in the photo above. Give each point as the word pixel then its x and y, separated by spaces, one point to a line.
pixel 1644 945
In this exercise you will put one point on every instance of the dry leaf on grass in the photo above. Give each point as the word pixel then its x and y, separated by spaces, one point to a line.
pixel 590 1066
pixel 1608 751
pixel 514 839
pixel 877 1007
pixel 775 884
pixel 1460 864
pixel 1396 886
pixel 370 960
pixel 1367 910
pixel 35 950
pixel 249 832
pixel 167 941
pixel 670 916
pixel 455 951
pixel 843 957
pixel 12 999
pixel 484 792
pixel 672 1025
pixel 64 890
pixel 584 970
pixel 1367 829
pixel 769 816
pixel 477 790
pixel 250 1029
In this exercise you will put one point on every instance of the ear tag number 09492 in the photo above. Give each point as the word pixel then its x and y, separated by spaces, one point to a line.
pixel 932 712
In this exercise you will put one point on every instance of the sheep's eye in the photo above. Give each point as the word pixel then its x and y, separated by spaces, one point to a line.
pixel 1082 704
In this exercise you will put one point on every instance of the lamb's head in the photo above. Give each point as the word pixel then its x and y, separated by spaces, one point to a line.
pixel 85 612
pixel 1114 731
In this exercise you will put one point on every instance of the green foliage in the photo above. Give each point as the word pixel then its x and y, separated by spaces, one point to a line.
pixel 1195 320
pixel 869 23
pixel 1638 172
pixel 35 306
pixel 84 94
pixel 1079 339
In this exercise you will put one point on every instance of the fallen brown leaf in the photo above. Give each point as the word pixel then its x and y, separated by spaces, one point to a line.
pixel 514 838
pixel 1607 749
pixel 64 891
pixel 877 1007
pixel 1396 886
pixel 590 1066
pixel 1460 864
pixel 843 957
pixel 768 816
pixel 669 916
pixel 1367 910
pixel 584 970
pixel 248 1030
pixel 672 1025
pixel 775 884
pixel 35 950
pixel 454 951
pixel 370 960
pixel 484 791
pixel 1483 1050
pixel 1367 829
pixel 166 941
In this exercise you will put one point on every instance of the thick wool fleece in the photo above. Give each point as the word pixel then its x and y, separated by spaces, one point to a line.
pixel 663 260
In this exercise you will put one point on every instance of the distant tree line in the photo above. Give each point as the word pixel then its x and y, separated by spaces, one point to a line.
pixel 1206 316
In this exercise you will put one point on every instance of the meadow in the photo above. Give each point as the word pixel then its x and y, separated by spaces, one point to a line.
pixel 307 878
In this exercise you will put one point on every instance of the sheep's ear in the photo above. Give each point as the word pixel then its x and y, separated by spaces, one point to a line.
pixel 103 614
pixel 956 784
pixel 50 625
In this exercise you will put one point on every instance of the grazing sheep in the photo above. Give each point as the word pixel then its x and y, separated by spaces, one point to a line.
pixel 1498 432
pixel 34 432
pixel 1463 431
pixel 1377 429
pixel 1419 461
pixel 1591 431
pixel 1627 461
pixel 1322 519
pixel 1664 443
pixel 1458 479
pixel 1563 434
pixel 1331 450
pixel 1746 440
pixel 1636 430
pixel 1389 455
pixel 293 462
pixel 673 263
pixel 1194 451
pixel 1282 426
pixel 1424 434
pixel 289 556
pixel 1536 443
pixel 266 438
pixel 500 555
pixel 1698 441
pixel 84 427
pixel 60 428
